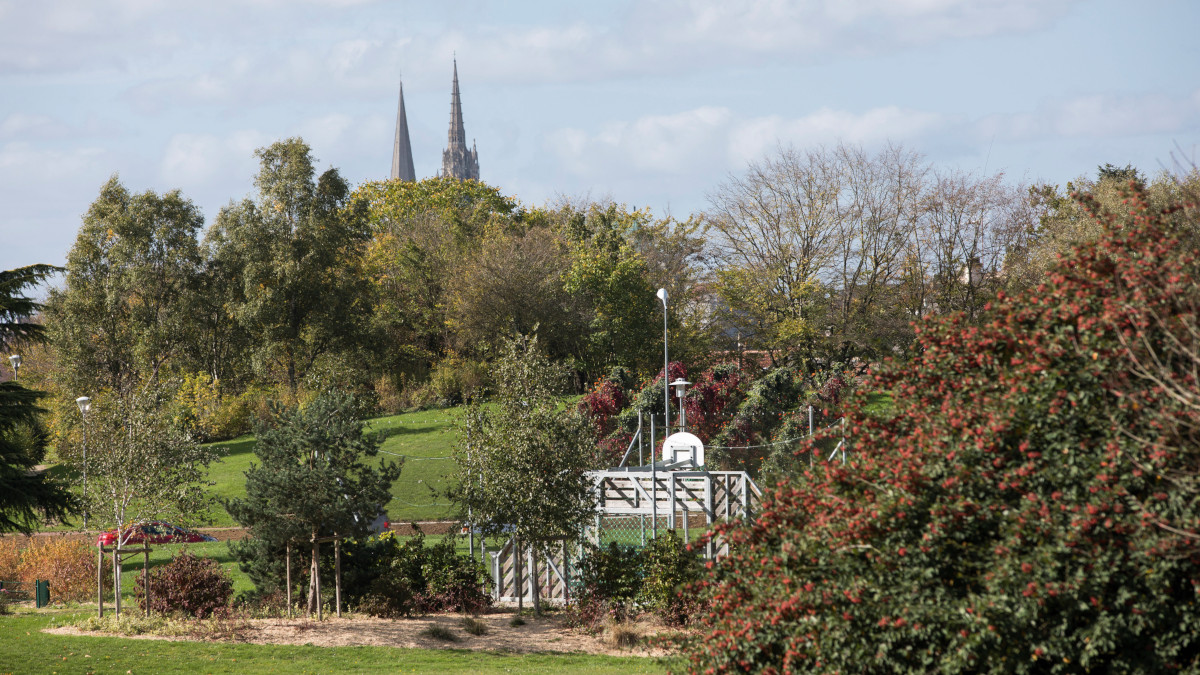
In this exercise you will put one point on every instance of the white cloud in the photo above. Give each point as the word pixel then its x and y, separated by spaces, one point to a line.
pixel 195 160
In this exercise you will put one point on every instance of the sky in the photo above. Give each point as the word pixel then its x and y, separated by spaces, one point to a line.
pixel 651 103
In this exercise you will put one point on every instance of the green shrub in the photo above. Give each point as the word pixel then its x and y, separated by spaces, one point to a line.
pixel 611 573
pixel 670 572
pixel 412 578
pixel 189 585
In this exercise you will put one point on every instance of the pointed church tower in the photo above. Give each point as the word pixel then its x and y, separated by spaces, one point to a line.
pixel 457 160
pixel 402 162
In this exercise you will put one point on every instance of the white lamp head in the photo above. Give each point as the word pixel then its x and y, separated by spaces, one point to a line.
pixel 662 295
pixel 681 386
pixel 85 405
pixel 15 360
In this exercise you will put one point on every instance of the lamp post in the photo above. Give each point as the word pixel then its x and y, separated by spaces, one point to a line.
pixel 15 360
pixel 681 386
pixel 662 295
pixel 85 406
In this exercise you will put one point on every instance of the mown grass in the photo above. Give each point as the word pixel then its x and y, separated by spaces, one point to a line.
pixel 25 649
pixel 426 439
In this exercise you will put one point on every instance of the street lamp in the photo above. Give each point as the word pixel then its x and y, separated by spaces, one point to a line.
pixel 681 386
pixel 662 295
pixel 85 406
pixel 15 360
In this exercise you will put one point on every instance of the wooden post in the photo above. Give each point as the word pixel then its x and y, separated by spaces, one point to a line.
pixel 534 582
pixel 519 582
pixel 287 557
pixel 100 581
pixel 316 572
pixel 146 573
pixel 337 574
pixel 117 579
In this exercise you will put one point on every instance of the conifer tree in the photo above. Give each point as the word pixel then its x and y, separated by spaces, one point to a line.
pixel 26 496
pixel 310 481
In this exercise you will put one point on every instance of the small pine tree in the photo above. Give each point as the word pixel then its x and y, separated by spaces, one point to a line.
pixel 311 481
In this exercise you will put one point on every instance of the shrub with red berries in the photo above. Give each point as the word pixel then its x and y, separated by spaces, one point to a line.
pixel 1030 504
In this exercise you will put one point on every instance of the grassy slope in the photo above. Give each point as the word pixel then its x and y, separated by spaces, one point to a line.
pixel 416 495
pixel 25 649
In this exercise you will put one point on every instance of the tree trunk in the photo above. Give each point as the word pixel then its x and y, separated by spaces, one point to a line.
pixel 313 583
pixel 517 555
pixel 534 581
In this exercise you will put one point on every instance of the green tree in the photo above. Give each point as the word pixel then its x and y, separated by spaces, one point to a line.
pixel 28 497
pixel 610 276
pixel 522 463
pixel 297 253
pixel 125 311
pixel 424 235
pixel 311 481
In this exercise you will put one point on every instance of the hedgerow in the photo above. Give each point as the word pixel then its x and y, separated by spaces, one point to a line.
pixel 1029 504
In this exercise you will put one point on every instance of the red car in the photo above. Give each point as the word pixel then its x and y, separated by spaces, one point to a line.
pixel 155 532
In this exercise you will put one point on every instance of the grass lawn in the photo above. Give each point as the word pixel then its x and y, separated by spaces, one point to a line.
pixel 425 438
pixel 25 649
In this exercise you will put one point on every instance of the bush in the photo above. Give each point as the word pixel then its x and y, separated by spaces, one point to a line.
pixel 189 585
pixel 412 578
pixel 671 572
pixel 612 574
pixel 69 566
pixel 1030 504
pixel 10 557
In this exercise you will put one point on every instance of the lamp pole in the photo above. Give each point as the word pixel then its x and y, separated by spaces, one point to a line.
pixel 85 406
pixel 681 386
pixel 662 295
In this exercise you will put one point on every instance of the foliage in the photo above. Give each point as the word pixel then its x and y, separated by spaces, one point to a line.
pixel 125 313
pixel 833 250
pixel 1024 508
pixel 671 569
pixel 757 418
pixel 412 578
pixel 296 254
pixel 522 462
pixel 27 496
pixel 140 466
pixel 69 566
pixel 423 235
pixel 613 573
pixel 188 584
pixel 311 481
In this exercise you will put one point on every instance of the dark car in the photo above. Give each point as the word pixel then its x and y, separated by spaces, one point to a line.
pixel 155 532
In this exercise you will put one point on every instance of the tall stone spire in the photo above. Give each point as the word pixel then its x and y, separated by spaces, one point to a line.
pixel 402 162
pixel 458 161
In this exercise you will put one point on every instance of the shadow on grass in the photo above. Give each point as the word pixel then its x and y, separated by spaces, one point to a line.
pixel 406 430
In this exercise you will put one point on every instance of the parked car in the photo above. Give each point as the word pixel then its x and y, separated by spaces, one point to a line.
pixel 155 532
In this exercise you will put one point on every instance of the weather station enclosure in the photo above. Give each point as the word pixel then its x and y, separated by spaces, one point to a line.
pixel 674 491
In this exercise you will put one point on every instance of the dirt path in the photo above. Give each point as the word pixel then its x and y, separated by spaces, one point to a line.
pixel 233 533
pixel 537 635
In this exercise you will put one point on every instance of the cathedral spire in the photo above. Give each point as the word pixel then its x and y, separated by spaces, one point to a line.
pixel 402 161
pixel 457 160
